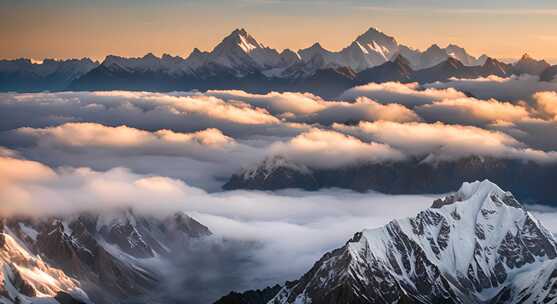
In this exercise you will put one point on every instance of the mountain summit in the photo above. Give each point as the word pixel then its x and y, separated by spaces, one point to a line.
pixel 529 65
pixel 479 245
pixel 240 51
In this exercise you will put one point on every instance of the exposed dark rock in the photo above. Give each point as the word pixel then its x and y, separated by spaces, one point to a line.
pixel 66 298
pixel 259 296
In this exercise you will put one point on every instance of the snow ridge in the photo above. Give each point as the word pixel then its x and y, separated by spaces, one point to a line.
pixel 475 246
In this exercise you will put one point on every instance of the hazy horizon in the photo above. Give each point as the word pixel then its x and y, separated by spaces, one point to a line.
pixel 94 29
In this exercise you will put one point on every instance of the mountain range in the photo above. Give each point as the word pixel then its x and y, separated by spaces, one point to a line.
pixel 241 62
pixel 529 181
pixel 478 245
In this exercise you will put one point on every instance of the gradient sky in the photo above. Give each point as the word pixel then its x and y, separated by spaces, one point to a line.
pixel 95 28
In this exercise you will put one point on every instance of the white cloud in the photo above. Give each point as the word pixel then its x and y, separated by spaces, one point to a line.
pixel 274 102
pixel 445 142
pixel 406 94
pixel 546 104
pixel 207 106
pixel 472 111
pixel 513 88
pixel 363 109
pixel 329 149
pixel 200 144
pixel 147 111
pixel 288 230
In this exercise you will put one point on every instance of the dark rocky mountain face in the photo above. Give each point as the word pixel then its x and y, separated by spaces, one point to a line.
pixel 259 296
pixel 529 65
pixel 108 255
pixel 529 181
pixel 454 68
pixel 550 74
pixel 476 246
pixel 397 70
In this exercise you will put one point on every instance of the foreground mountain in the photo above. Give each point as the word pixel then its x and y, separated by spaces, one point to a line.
pixel 101 258
pixel 24 278
pixel 240 61
pixel 476 246
pixel 529 181
pixel 479 245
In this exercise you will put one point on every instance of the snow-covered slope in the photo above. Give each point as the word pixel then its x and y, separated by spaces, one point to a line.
pixel 26 278
pixel 370 49
pixel 243 53
pixel 476 246
pixel 112 255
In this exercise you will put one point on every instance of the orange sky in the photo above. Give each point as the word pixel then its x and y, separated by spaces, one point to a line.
pixel 94 30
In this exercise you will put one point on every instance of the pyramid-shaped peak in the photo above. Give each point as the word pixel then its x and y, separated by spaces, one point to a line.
pixel 434 47
pixel 240 31
pixel 526 56
pixel 196 51
pixel 373 34
pixel 373 31
pixel 316 45
pixel 150 56
pixel 240 37
pixel 239 34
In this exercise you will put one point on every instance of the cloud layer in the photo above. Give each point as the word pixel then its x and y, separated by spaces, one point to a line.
pixel 79 151
pixel 203 138
pixel 267 237
pixel 261 238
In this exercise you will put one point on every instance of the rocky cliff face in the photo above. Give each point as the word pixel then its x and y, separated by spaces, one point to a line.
pixel 112 256
pixel 479 245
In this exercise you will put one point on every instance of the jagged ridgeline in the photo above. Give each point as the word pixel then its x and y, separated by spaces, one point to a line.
pixel 242 62
pixel 479 245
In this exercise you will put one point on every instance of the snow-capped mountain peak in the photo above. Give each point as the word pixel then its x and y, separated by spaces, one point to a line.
pixel 243 53
pixel 377 38
pixel 478 245
pixel 242 39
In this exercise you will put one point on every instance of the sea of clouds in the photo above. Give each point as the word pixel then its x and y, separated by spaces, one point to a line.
pixel 70 152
